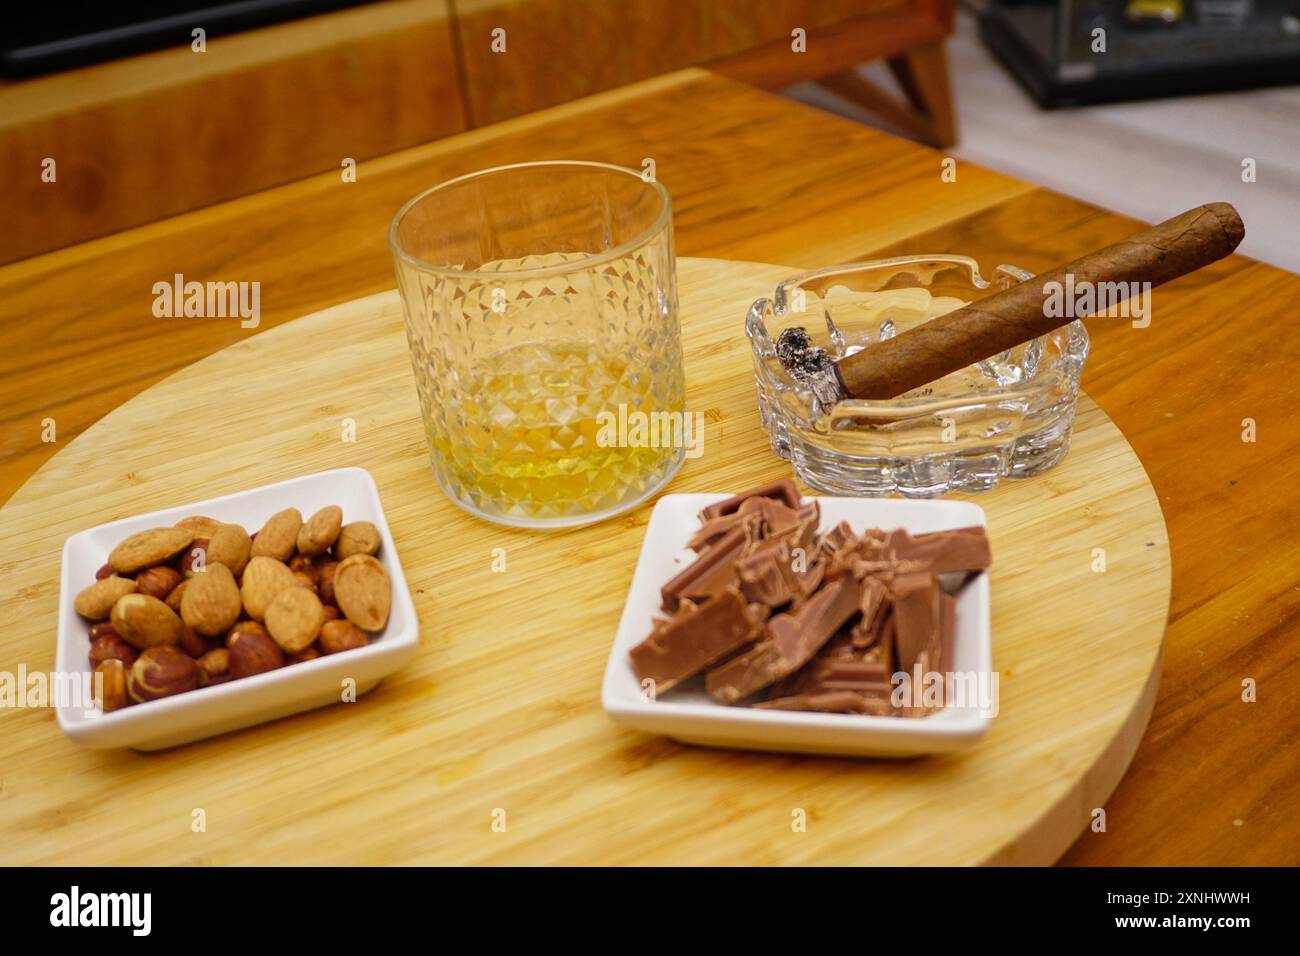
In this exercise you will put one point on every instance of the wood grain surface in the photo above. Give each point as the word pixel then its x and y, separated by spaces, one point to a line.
pixel 501 707
pixel 150 136
pixel 651 39
pixel 756 177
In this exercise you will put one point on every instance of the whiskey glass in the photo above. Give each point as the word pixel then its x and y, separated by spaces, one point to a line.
pixel 541 309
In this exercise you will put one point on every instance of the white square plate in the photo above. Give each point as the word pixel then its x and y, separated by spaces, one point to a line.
pixel 238 703
pixel 688 714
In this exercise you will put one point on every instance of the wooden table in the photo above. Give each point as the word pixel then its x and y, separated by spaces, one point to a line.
pixel 756 177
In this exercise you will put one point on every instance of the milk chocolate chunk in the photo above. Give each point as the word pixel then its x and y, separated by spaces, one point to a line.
pixel 832 702
pixel 750 516
pixel 695 637
pixel 789 642
pixel 783 491
pixel 875 604
pixel 708 574
pixel 962 549
pixel 917 617
pixel 947 632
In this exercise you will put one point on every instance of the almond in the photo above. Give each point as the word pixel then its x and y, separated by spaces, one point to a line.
pixel 96 601
pixel 363 591
pixel 264 578
pixel 173 599
pixel 295 618
pixel 321 531
pixel 145 621
pixel 144 549
pixel 230 545
pixel 201 525
pixel 211 603
pixel 359 537
pixel 279 536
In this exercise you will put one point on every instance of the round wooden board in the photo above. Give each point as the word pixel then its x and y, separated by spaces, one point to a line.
pixel 500 711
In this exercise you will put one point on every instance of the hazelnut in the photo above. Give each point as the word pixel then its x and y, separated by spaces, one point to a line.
pixel 195 644
pixel 252 651
pixel 294 618
pixel 320 531
pixel 96 601
pixel 359 537
pixel 214 667
pixel 112 675
pixel 111 647
pixel 211 604
pixel 102 629
pixel 308 653
pixel 145 621
pixel 195 557
pixel 157 581
pixel 336 636
pixel 162 672
pixel 302 564
pixel 332 613
pixel 104 571
pixel 325 571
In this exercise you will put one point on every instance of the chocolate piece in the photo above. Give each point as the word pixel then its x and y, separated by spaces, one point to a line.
pixel 947 632
pixel 695 637
pixel 783 491
pixel 708 574
pixel 962 549
pixel 875 604
pixel 775 575
pixel 832 702
pixel 917 611
pixel 835 540
pixel 750 516
pixel 789 641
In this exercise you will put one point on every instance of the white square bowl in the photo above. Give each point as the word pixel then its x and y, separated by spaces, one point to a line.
pixel 214 710
pixel 690 715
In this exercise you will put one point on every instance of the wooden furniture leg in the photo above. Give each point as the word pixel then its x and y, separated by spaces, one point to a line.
pixel 922 73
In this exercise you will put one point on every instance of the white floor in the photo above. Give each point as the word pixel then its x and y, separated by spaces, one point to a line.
pixel 1147 159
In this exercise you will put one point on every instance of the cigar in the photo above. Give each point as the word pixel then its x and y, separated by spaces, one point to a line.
pixel 1002 321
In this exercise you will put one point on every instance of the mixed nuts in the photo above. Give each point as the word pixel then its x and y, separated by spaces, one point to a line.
pixel 203 602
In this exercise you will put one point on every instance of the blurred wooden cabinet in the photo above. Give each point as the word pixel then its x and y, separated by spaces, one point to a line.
pixel 136 140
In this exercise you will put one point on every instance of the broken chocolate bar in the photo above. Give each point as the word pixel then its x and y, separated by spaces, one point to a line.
pixel 962 549
pixel 917 617
pixel 789 642
pixel 693 638
pixel 832 702
pixel 783 491
pixel 708 574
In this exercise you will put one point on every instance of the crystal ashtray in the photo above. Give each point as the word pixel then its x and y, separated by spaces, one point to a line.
pixel 1007 416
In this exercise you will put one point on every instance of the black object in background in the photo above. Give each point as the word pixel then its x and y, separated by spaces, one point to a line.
pixel 1153 48
pixel 42 37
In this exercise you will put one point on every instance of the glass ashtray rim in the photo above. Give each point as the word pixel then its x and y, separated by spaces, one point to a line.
pixel 923 405
pixel 662 221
